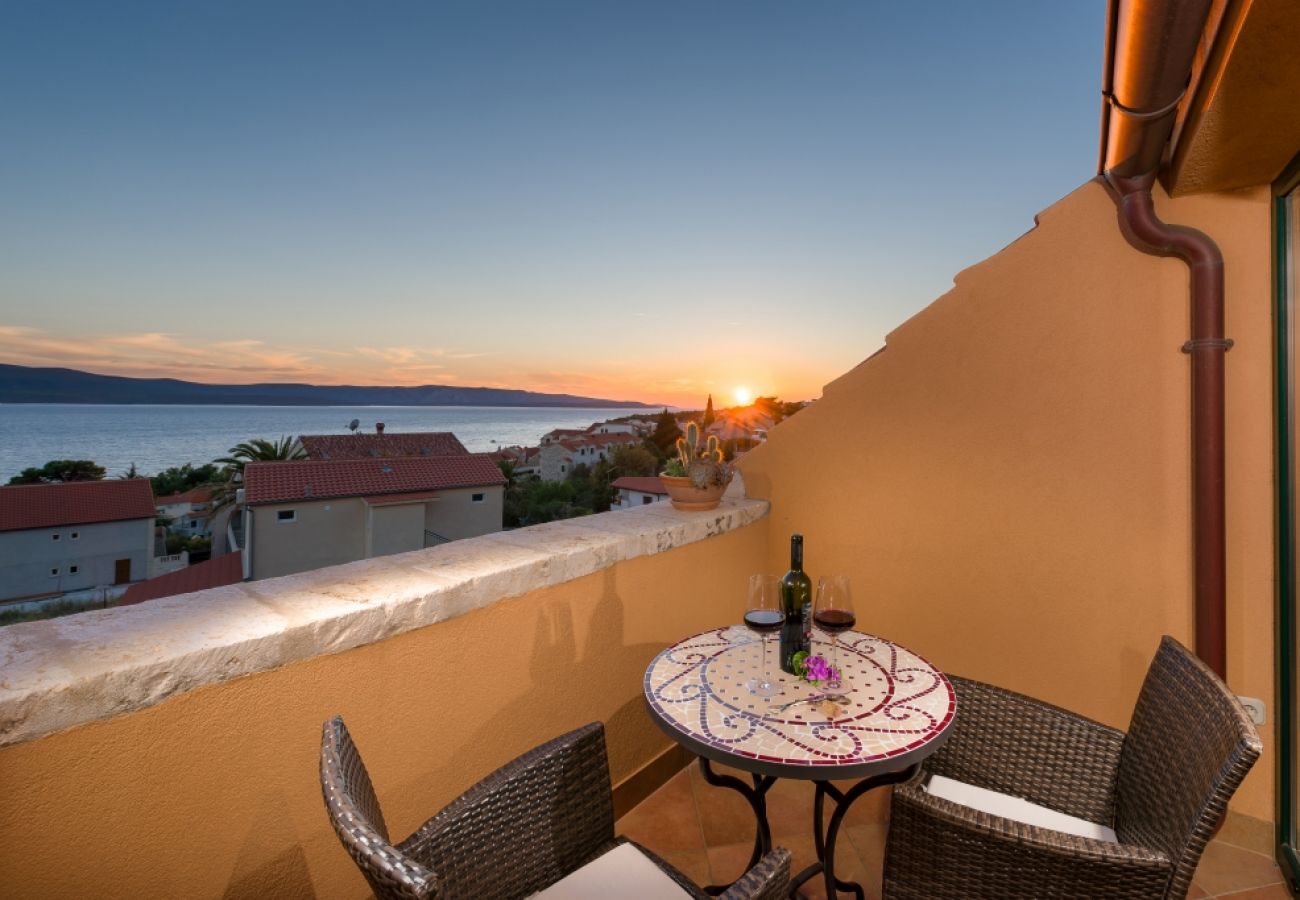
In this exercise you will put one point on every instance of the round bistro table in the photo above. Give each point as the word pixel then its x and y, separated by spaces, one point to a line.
pixel 897 711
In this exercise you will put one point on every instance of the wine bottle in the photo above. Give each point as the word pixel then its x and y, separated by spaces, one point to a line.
pixel 796 603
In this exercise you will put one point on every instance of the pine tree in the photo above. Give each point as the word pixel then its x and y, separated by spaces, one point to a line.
pixel 665 434
pixel 708 414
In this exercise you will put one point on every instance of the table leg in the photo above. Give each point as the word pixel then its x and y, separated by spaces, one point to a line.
pixel 824 836
pixel 757 797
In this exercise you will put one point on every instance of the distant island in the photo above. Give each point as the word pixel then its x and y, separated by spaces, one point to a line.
pixel 24 384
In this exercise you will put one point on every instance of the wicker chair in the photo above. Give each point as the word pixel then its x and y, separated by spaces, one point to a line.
pixel 1163 787
pixel 519 830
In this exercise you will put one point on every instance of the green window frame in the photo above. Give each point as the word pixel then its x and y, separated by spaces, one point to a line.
pixel 1286 224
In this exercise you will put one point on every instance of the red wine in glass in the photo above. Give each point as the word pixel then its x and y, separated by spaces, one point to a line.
pixel 833 613
pixel 764 616
pixel 834 621
pixel 764 621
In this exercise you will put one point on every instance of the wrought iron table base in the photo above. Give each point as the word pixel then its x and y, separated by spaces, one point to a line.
pixel 824 835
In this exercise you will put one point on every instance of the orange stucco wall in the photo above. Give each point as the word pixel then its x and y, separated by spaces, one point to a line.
pixel 1008 481
pixel 216 793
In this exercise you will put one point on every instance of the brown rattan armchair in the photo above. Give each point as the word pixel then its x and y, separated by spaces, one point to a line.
pixel 1162 787
pixel 519 830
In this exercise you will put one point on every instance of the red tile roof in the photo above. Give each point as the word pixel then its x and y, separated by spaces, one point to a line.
pixel 281 482
pixel 218 572
pixel 382 446
pixel 193 495
pixel 646 484
pixel 75 503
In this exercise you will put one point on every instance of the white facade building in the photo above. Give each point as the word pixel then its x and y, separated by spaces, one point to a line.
pixel 57 538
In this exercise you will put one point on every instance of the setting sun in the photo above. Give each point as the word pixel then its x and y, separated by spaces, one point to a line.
pixel 744 396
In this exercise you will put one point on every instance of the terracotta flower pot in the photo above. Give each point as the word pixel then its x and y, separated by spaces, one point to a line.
pixel 687 496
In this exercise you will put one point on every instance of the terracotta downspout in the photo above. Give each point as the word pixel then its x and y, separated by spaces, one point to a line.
pixel 1149 52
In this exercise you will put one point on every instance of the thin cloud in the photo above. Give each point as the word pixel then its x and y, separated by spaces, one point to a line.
pixel 157 354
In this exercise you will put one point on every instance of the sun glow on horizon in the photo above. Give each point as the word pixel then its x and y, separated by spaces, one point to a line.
pixel 744 396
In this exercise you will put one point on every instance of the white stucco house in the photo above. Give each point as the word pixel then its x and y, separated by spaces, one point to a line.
pixel 636 491
pixel 56 538
pixel 188 512
pixel 309 514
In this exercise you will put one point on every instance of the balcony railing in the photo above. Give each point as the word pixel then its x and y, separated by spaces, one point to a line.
pixel 194 721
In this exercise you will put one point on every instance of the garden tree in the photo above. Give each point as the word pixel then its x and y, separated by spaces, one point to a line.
pixel 776 408
pixel 595 492
pixel 514 504
pixel 256 450
pixel 546 501
pixel 60 470
pixel 508 471
pixel 633 460
pixel 708 414
pixel 195 544
pixel 772 407
pixel 130 473
pixel 665 435
pixel 585 492
pixel 179 479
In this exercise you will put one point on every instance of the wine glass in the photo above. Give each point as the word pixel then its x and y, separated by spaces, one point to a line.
pixel 833 613
pixel 764 617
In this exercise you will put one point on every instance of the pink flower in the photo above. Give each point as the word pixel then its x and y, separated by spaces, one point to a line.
pixel 816 669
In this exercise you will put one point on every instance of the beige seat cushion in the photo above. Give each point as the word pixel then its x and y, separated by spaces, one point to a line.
pixel 1020 810
pixel 623 872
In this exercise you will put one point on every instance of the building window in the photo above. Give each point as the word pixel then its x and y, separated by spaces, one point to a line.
pixel 563 469
pixel 75 535
pixel 645 500
pixel 55 536
pixel 287 515
pixel 54 572
pixel 478 498
pixel 73 570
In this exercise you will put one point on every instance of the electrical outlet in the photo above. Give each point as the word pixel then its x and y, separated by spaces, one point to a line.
pixel 1254 709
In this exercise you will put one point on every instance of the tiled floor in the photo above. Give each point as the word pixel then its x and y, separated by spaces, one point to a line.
pixel 708 832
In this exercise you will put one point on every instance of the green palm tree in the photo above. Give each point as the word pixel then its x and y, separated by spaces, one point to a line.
pixel 255 450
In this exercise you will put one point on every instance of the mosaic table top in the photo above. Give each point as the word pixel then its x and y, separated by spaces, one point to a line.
pixel 897 709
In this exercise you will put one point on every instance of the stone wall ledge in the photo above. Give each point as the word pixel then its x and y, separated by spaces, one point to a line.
pixel 58 673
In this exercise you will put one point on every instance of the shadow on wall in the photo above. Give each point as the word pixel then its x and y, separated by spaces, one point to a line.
pixel 285 875
pixel 567 684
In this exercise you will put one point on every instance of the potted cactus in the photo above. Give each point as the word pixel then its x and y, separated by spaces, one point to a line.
pixel 698 475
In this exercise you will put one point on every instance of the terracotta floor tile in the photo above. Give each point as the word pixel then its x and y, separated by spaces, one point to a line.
pixel 848 866
pixel 1272 892
pixel 869 842
pixel 694 865
pixel 872 807
pixel 1225 868
pixel 790 806
pixel 727 861
pixel 666 821
pixel 727 817
pixel 1196 892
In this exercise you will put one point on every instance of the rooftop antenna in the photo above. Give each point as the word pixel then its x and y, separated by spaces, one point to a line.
pixel 354 425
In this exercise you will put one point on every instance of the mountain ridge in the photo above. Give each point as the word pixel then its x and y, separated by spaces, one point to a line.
pixel 29 384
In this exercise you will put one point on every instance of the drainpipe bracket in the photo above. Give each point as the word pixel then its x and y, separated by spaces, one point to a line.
pixel 1224 344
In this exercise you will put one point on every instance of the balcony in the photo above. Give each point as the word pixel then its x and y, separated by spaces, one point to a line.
pixel 1006 483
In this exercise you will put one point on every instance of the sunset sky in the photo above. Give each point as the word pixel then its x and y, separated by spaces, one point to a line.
pixel 647 201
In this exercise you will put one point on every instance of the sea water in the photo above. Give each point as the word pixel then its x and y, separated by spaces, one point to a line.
pixel 158 437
